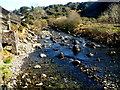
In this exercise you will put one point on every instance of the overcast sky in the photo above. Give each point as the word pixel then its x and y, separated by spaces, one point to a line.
pixel 16 4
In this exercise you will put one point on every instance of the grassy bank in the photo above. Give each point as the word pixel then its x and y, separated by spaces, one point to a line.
pixel 107 34
pixel 89 28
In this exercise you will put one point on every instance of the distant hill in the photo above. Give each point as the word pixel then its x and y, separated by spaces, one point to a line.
pixel 85 9
pixel 89 9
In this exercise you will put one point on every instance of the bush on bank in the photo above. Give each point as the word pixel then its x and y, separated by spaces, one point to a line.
pixel 66 23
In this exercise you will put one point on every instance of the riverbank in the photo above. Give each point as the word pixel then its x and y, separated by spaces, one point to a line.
pixel 106 34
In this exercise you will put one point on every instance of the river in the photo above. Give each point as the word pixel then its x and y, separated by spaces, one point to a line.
pixel 55 72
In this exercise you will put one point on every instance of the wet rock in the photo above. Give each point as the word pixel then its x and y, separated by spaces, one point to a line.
pixel 37 45
pixel 96 69
pixel 37 67
pixel 61 55
pixel 28 80
pixel 81 41
pixel 62 38
pixel 111 53
pixel 55 49
pixel 52 39
pixel 45 50
pixel 44 45
pixel 90 55
pixel 45 41
pixel 65 41
pixel 43 55
pixel 75 41
pixel 39 84
pixel 63 44
pixel 76 62
pixel 98 59
pixel 44 34
pixel 43 76
pixel 91 45
pixel 76 49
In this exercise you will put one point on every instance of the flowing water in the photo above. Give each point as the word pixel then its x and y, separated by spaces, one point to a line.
pixel 60 72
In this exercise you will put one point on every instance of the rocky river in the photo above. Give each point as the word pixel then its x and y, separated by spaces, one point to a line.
pixel 65 61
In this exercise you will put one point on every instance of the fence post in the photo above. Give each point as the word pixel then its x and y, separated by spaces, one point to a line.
pixel 1 30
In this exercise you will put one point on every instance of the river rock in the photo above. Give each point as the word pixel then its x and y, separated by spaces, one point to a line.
pixel 61 55
pixel 76 62
pixel 37 66
pixel 76 49
pixel 44 34
pixel 55 49
pixel 43 55
pixel 39 84
pixel 90 54
pixel 52 39
pixel 98 59
pixel 37 45
pixel 45 41
pixel 111 53
pixel 62 38
pixel 75 41
pixel 91 45
pixel 43 76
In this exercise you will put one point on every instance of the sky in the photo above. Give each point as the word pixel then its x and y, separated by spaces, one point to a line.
pixel 16 4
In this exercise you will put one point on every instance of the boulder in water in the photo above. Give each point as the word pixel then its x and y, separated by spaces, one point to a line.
pixel 76 49
pixel 90 54
pixel 43 55
pixel 76 62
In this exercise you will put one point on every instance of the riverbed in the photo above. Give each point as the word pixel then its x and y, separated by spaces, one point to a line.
pixel 55 71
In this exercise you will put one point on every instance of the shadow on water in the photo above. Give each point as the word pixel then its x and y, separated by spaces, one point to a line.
pixel 54 72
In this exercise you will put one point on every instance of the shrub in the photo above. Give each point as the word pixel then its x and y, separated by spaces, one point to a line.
pixel 66 23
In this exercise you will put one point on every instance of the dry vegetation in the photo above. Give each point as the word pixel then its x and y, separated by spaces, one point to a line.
pixel 6 58
pixel 66 23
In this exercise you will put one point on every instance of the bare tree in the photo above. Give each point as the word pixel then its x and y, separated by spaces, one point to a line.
pixel 112 14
